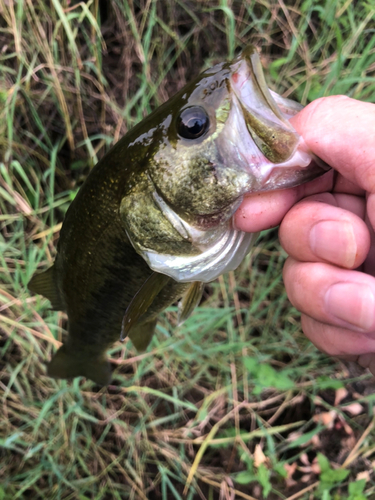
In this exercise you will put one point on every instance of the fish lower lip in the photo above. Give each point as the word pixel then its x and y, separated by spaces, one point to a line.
pixel 301 167
pixel 285 178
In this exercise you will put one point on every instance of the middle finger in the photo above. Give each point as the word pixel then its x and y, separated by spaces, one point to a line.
pixel 318 229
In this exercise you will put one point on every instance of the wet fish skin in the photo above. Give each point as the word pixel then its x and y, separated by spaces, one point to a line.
pixel 97 271
pixel 159 200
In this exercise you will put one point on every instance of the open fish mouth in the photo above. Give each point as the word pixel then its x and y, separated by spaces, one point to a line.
pixel 251 147
pixel 274 152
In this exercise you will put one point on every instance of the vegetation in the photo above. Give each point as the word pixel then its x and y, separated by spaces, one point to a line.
pixel 235 403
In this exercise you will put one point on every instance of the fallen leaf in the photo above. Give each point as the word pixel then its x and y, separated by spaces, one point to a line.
pixel 306 469
pixel 353 408
pixel 365 474
pixel 290 468
pixel 341 394
pixel 327 418
pixel 290 483
pixel 259 456
pixel 304 459
pixel 293 436
pixel 315 468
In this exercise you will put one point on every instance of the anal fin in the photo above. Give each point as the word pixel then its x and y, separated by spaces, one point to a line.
pixel 45 284
pixel 141 335
pixel 189 301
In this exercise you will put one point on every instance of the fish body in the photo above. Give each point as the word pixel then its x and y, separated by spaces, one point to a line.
pixel 153 220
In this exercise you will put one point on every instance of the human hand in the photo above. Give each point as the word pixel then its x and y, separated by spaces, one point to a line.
pixel 329 275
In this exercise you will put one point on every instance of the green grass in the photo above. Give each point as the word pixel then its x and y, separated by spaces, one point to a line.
pixel 235 403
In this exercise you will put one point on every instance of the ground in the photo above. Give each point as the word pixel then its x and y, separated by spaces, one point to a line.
pixel 235 403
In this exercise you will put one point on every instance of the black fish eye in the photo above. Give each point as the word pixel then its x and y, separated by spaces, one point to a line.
pixel 192 123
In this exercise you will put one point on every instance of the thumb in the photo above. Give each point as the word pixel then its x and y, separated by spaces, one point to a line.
pixel 340 130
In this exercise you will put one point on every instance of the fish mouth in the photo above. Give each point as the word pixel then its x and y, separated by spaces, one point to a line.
pixel 276 153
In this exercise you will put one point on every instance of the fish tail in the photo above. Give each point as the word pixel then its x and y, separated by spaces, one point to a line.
pixel 69 364
pixel 45 284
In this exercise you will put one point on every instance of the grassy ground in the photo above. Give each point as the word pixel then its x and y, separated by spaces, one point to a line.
pixel 235 403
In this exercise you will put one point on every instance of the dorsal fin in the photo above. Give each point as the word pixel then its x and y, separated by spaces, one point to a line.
pixel 189 301
pixel 45 284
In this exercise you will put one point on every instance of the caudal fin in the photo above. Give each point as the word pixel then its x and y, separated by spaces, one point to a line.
pixel 66 364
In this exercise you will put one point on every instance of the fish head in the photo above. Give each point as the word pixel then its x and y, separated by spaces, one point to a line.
pixel 223 136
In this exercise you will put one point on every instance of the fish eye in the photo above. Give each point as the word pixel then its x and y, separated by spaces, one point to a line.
pixel 192 123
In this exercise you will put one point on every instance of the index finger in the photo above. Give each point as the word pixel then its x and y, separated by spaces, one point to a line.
pixel 339 130
pixel 264 210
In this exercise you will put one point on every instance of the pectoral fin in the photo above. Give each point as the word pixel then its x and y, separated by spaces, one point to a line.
pixel 142 301
pixel 189 301
pixel 45 284
pixel 68 364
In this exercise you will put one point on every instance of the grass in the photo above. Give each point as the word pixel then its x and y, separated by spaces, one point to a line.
pixel 235 403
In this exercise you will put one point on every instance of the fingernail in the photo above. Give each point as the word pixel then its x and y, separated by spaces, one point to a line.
pixel 334 241
pixel 353 303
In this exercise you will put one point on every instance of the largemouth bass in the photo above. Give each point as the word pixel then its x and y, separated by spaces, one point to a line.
pixel 153 220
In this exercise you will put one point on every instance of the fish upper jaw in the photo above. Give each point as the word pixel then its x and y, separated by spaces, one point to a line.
pixel 267 146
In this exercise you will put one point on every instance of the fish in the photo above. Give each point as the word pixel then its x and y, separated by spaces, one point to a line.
pixel 153 221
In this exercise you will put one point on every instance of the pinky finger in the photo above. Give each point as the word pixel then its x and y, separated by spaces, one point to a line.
pixel 338 341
